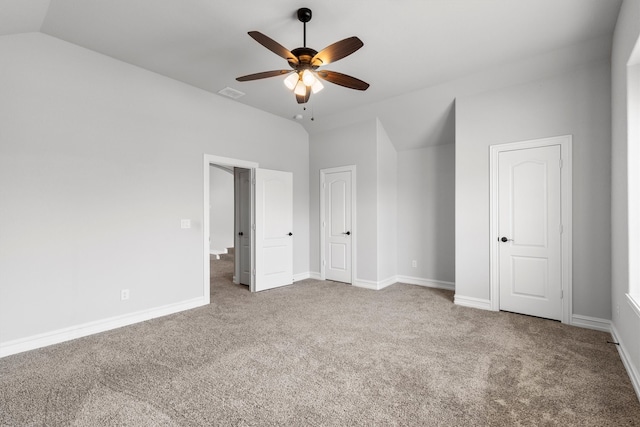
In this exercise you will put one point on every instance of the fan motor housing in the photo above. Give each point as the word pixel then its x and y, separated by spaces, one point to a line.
pixel 304 55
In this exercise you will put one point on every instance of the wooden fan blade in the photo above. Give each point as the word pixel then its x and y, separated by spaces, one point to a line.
pixel 337 51
pixel 303 99
pixel 263 75
pixel 343 80
pixel 274 46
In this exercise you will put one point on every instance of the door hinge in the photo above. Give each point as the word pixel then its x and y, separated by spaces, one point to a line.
pixel 324 262
pixel 253 272
pixel 561 293
pixel 560 163
pixel 323 224
pixel 324 185
pixel 253 226
pixel 561 229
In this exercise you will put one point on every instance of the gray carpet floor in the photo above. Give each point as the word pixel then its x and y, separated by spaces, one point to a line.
pixel 324 353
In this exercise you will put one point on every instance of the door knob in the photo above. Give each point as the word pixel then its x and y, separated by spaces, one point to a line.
pixel 348 233
pixel 504 239
pixel 241 234
pixel 290 234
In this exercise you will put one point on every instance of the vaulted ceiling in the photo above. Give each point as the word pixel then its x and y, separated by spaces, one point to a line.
pixel 410 47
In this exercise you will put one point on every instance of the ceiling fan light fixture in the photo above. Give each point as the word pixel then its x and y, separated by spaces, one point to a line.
pixel 300 89
pixel 317 86
pixel 304 80
pixel 308 78
pixel 291 81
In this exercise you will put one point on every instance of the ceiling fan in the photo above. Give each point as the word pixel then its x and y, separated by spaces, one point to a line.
pixel 304 76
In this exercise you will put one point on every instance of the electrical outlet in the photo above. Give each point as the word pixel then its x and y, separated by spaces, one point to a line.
pixel 124 294
pixel 414 263
pixel 617 310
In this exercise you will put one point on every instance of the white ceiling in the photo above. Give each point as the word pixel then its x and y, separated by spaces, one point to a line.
pixel 409 45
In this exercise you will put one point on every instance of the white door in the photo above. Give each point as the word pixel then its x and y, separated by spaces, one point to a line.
pixel 529 231
pixel 243 252
pixel 337 225
pixel 274 229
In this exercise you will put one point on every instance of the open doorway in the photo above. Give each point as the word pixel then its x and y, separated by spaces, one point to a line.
pixel 228 215
pixel 230 224
pixel 268 206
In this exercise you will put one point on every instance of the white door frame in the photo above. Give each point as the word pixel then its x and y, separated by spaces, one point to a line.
pixel 354 234
pixel 564 142
pixel 223 161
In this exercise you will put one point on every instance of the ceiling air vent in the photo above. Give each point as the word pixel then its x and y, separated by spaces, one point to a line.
pixel 231 93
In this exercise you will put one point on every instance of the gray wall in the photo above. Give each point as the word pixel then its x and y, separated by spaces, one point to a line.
pixel 387 207
pixel 221 208
pixel 99 161
pixel 626 323
pixel 426 212
pixel 575 102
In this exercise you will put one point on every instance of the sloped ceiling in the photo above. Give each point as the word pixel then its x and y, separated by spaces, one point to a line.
pixel 411 47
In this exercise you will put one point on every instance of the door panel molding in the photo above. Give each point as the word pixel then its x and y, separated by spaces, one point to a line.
pixel 323 243
pixel 564 141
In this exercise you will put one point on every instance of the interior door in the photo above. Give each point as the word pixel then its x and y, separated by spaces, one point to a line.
pixel 337 226
pixel 243 254
pixel 274 229
pixel 529 224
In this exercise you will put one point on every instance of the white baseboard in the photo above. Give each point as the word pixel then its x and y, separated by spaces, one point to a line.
pixel 376 286
pixel 591 322
pixel 387 282
pixel 301 276
pixel 632 371
pixel 438 284
pixel 66 334
pixel 483 304
pixel 367 284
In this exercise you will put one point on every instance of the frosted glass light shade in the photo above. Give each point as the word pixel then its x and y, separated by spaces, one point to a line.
pixel 300 89
pixel 317 86
pixel 291 81
pixel 308 78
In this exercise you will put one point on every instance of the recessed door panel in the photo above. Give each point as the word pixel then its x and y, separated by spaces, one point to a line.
pixel 530 277
pixel 338 260
pixel 529 203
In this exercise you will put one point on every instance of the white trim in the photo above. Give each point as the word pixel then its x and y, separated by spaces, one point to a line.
pixel 354 234
pixel 366 284
pixel 480 303
pixel 565 143
pixel 633 302
pixel 315 275
pixel 634 376
pixel 387 282
pixel 429 283
pixel 210 159
pixel 301 276
pixel 375 286
pixel 90 328
pixel 591 322
pixel 633 174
